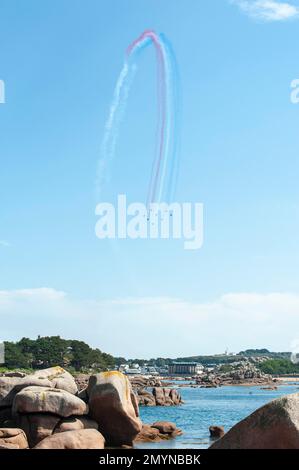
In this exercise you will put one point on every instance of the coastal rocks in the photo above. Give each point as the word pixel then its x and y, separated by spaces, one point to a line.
pixel 58 378
pixel 35 412
pixel 37 426
pixel 48 400
pixel 9 446
pixel 274 426
pixel 216 431
pixel 148 434
pixel 76 424
pixel 146 398
pixel 139 382
pixel 13 437
pixel 10 386
pixel 166 396
pixel 159 394
pixel 247 372
pixel 175 397
pixel 241 374
pixel 80 439
pixel 54 377
pixel 158 431
pixel 111 406
pixel 164 427
pixel 159 397
pixel 81 381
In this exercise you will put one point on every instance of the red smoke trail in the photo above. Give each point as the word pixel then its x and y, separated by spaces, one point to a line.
pixel 148 34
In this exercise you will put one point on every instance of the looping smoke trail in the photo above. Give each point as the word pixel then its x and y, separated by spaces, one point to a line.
pixel 165 164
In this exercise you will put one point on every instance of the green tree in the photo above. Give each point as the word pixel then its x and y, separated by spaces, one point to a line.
pixel 279 366
pixel 14 357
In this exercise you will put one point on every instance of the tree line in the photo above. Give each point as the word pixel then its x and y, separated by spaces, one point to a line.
pixel 51 351
pixel 279 367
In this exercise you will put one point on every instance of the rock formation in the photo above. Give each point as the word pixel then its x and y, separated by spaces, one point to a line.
pixel 54 377
pixel 159 396
pixel 48 400
pixel 45 410
pixel 114 407
pixel 216 431
pixel 242 374
pixel 13 437
pixel 82 439
pixel 158 431
pixel 273 426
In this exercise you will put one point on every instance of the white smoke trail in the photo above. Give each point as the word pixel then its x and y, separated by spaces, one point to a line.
pixel 167 125
pixel 116 113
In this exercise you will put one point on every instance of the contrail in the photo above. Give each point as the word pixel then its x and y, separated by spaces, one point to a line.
pixel 165 162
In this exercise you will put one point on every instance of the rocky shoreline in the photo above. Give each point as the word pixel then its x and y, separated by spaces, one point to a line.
pixel 47 410
pixel 50 409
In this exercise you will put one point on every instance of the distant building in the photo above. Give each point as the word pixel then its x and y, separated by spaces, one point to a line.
pixel 152 370
pixel 133 371
pixel 163 370
pixel 184 368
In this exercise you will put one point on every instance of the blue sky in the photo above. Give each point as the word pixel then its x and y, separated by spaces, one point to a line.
pixel 239 150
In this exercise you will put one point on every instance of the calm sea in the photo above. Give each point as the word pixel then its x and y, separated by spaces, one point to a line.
pixel 203 407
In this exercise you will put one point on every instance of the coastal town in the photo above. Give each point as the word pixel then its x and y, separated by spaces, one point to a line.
pixel 237 371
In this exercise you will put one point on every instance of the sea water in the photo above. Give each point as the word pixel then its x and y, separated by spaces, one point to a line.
pixel 205 407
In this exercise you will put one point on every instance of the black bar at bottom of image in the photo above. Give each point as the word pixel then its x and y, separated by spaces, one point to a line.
pixel 133 458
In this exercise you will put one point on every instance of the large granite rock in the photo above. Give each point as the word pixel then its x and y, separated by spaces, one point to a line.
pixel 160 396
pixel 82 439
pixel 37 426
pixel 54 377
pixel 9 446
pixel 114 407
pixel 216 432
pixel 146 398
pixel 48 400
pixel 158 393
pixel 58 377
pixel 148 434
pixel 165 427
pixel 166 396
pixel 10 386
pixel 274 426
pixel 158 431
pixel 13 437
pixel 75 423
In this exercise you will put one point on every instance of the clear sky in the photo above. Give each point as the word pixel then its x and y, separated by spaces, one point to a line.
pixel 60 60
